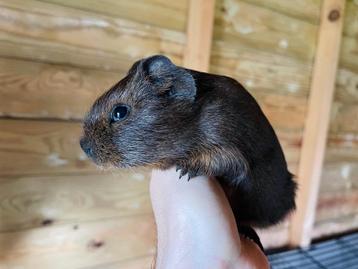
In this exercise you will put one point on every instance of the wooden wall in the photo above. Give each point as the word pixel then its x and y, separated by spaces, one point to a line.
pixel 59 211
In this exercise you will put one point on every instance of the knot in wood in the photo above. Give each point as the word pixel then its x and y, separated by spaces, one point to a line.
pixel 334 15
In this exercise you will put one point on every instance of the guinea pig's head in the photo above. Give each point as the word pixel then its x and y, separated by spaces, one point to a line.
pixel 144 118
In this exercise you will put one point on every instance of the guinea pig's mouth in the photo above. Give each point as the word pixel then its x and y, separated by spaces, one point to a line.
pixel 93 154
pixel 104 159
pixel 107 164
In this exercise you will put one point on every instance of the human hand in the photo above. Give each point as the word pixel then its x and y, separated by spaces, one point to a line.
pixel 196 227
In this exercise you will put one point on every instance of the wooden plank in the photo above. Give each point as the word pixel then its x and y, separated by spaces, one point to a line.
pixel 346 86
pixel 274 236
pixel 335 226
pixel 32 89
pixel 336 205
pixel 270 29
pixel 307 10
pixel 38 201
pixel 348 54
pixel 316 127
pixel 133 263
pixel 344 118
pixel 65 35
pixel 284 112
pixel 161 13
pixel 40 147
pixel 348 57
pixel 291 144
pixel 339 176
pixel 350 19
pixel 343 141
pixel 199 34
pixel 259 71
pixel 336 213
pixel 79 245
pixel 338 195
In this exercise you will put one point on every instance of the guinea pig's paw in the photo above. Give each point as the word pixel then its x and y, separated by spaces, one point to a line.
pixel 187 171
pixel 192 173
pixel 183 171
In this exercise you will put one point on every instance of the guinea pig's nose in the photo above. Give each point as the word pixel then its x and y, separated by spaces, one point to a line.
pixel 86 147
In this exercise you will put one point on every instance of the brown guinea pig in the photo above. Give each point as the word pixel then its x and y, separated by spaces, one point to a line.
pixel 162 115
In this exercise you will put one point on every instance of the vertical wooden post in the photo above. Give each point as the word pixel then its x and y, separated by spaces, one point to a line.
pixel 199 34
pixel 317 121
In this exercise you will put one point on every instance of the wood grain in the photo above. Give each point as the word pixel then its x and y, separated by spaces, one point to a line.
pixel 348 53
pixel 350 27
pixel 269 30
pixel 335 226
pixel 56 34
pixel 274 236
pixel 133 263
pixel 40 147
pixel 161 13
pixel 261 71
pixel 284 112
pixel 340 170
pixel 89 244
pixel 306 10
pixel 335 205
pixel 316 126
pixel 344 112
pixel 344 119
pixel 33 202
pixel 31 89
pixel 346 86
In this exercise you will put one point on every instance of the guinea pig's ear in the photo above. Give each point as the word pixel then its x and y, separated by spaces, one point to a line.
pixel 158 68
pixel 174 81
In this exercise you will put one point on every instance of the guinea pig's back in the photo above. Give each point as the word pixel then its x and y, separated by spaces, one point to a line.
pixel 231 116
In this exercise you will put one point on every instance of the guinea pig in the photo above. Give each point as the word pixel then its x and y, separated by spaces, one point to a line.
pixel 161 115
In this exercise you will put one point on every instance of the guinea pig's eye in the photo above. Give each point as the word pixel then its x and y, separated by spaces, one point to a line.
pixel 119 113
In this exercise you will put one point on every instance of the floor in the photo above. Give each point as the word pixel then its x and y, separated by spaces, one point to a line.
pixel 338 253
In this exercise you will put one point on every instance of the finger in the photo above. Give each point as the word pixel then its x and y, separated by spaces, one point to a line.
pixel 194 221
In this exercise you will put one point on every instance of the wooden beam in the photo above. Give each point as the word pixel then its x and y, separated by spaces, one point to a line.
pixel 317 121
pixel 199 34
